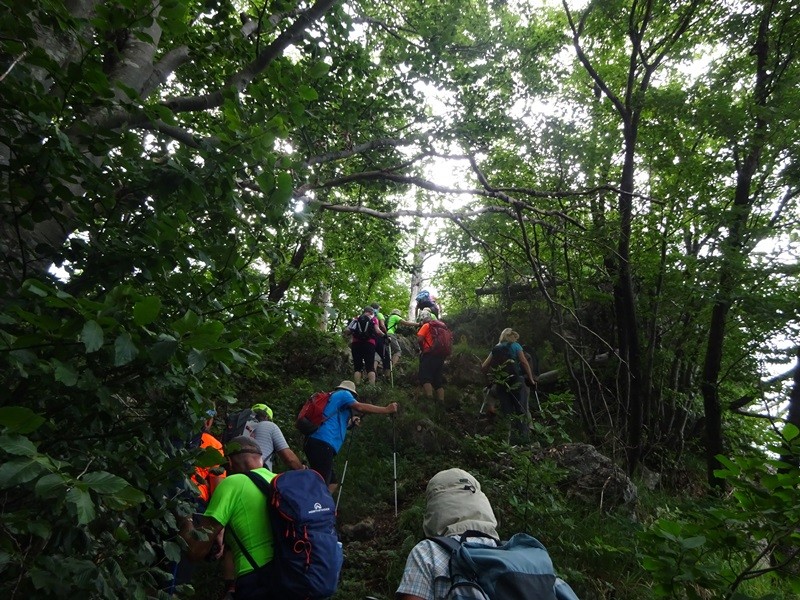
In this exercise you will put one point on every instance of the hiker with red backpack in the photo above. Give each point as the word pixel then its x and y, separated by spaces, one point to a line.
pixel 435 345
pixel 341 412
pixel 364 331
pixel 512 378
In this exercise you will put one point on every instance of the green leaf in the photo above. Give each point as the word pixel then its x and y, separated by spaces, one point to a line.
pixel 19 470
pixel 51 485
pixel 36 288
pixel 693 542
pixel 197 361
pixel 146 310
pixel 92 336
pixel 318 69
pixel 790 431
pixel 307 93
pixel 65 373
pixel 209 457
pixel 163 350
pixel 81 501
pixel 124 350
pixel 18 445
pixel 103 482
pixel 172 551
pixel 20 419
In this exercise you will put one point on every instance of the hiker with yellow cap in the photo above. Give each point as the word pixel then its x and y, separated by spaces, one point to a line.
pixel 270 439
pixel 322 446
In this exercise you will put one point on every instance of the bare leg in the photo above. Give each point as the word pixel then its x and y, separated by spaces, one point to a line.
pixel 440 393
pixel 371 377
pixel 428 389
pixel 357 377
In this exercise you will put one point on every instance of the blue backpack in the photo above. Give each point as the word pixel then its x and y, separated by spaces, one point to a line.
pixel 519 569
pixel 308 553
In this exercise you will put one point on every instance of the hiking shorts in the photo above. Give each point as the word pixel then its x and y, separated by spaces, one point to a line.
pixel 431 370
pixel 394 345
pixel 320 458
pixel 258 584
pixel 363 356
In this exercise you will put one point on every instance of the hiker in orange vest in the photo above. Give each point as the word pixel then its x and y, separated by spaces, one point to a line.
pixel 431 366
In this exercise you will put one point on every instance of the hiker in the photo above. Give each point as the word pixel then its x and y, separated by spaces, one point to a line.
pixel 381 357
pixel 457 511
pixel 392 323
pixel 270 439
pixel 239 505
pixel 426 301
pixel 454 504
pixel 322 446
pixel 363 331
pixel 431 366
pixel 206 479
pixel 513 377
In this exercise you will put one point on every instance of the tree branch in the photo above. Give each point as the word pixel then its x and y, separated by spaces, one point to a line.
pixel 239 81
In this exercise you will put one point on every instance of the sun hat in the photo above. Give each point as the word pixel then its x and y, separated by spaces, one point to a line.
pixel 349 386
pixel 395 311
pixel 425 316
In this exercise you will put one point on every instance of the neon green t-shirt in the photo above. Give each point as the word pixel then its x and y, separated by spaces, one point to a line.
pixel 239 503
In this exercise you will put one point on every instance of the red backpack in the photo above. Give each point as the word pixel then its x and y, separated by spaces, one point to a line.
pixel 441 339
pixel 310 417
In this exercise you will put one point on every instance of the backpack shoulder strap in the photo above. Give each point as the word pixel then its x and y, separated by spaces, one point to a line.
pixel 446 542
pixel 264 487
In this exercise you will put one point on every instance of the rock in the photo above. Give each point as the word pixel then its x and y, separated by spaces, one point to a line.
pixel 592 478
pixel 363 530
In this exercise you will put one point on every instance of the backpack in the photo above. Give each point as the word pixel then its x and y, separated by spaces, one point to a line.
pixel 519 569
pixel 503 363
pixel 442 339
pixel 234 424
pixel 302 514
pixel 311 415
pixel 424 300
pixel 362 328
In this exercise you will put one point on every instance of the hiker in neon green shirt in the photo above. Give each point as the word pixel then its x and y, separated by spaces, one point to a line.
pixel 239 505
pixel 392 323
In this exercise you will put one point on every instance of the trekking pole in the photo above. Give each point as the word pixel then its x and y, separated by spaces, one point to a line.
pixel 394 462
pixel 344 471
pixel 486 391
pixel 391 364
pixel 536 395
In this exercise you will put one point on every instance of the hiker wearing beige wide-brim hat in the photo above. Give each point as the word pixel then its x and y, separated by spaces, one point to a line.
pixel 322 445
pixel 349 386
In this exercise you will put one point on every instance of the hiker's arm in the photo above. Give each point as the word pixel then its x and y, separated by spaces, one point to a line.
pixel 209 529
pixel 371 408
pixel 486 363
pixel 290 459
pixel 527 366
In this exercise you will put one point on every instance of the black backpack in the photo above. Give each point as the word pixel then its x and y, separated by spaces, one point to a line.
pixel 504 366
pixel 235 422
pixel 362 328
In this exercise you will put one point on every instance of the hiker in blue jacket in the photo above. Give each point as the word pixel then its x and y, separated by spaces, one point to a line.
pixel 512 377
pixel 322 446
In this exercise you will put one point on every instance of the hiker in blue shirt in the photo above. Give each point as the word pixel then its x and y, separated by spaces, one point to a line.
pixel 322 446
pixel 512 376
